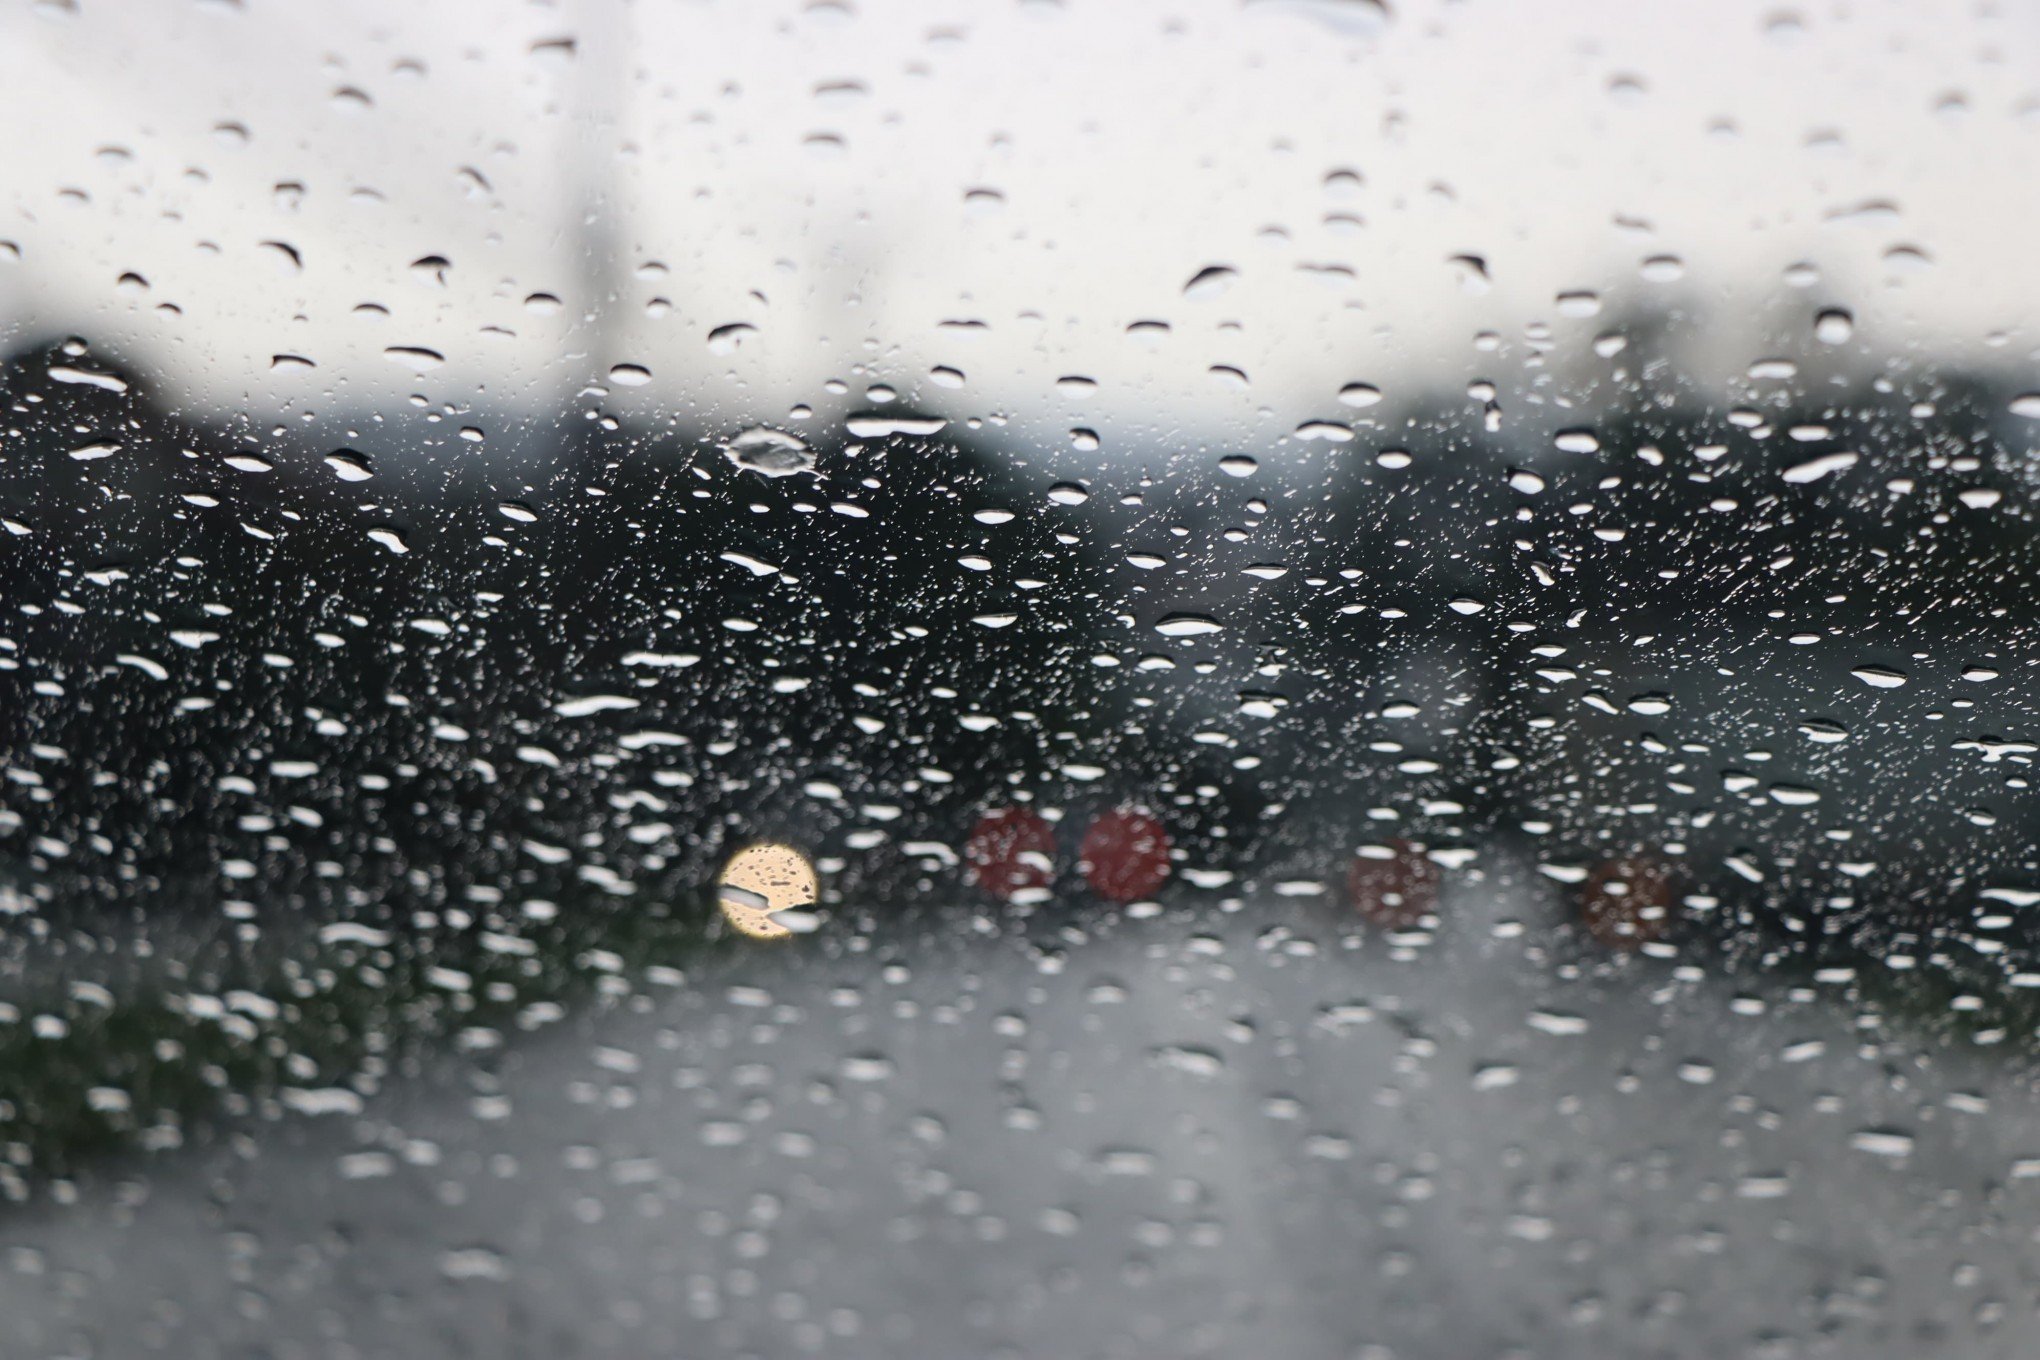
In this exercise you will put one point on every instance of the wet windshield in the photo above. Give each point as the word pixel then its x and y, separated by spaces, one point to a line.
pixel 1300 677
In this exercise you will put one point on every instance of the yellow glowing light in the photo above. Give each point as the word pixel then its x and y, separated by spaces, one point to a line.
pixel 766 890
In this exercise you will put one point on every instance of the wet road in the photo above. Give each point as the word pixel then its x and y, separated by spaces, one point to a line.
pixel 1211 1132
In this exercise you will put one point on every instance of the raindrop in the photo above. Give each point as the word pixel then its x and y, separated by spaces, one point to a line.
pixel 1905 260
pixel 414 357
pixel 1834 326
pixel 1210 282
pixel 729 339
pixel 872 425
pixel 1882 1143
pixel 106 382
pixel 1879 677
pixel 589 704
pixel 1815 469
pixel 348 466
pixel 1188 625
pixel 1472 271
pixel 770 453
pixel 630 375
pixel 1329 431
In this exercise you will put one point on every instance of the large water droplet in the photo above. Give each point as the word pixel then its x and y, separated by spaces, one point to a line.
pixel 348 466
pixel 1879 677
pixel 1210 282
pixel 1188 625
pixel 770 453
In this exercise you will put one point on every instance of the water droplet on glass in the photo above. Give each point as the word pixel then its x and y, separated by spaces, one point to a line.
pixel 414 357
pixel 729 339
pixel 1210 282
pixel 1327 431
pixel 1188 625
pixel 1882 1142
pixel 1472 271
pixel 874 425
pixel 1834 326
pixel 770 453
pixel 1815 469
pixel 1879 677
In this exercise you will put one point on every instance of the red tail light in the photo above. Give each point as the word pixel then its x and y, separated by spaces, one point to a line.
pixel 1125 855
pixel 1010 849
pixel 1394 891
pixel 1627 903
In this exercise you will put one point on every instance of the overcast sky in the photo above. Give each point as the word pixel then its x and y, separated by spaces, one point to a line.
pixel 851 179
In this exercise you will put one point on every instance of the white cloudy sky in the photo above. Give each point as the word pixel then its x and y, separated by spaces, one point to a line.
pixel 845 177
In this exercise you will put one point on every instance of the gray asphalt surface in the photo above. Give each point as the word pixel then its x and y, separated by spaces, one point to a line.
pixel 1259 1132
